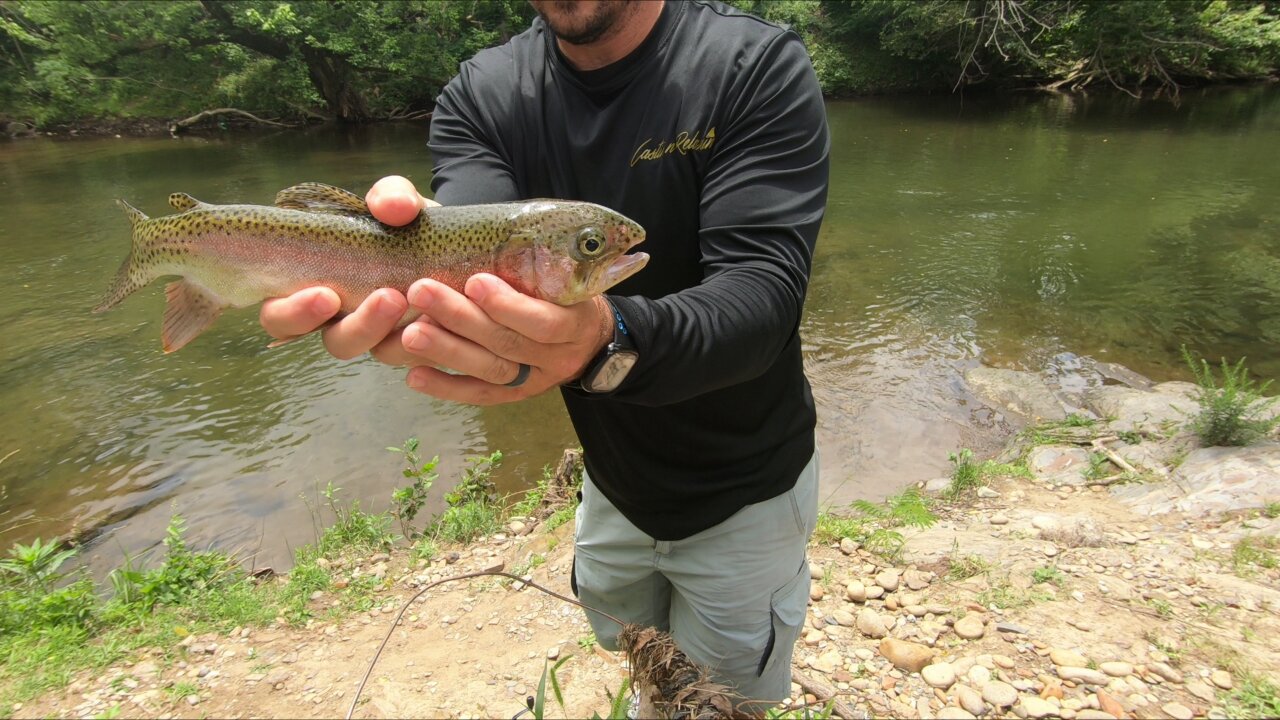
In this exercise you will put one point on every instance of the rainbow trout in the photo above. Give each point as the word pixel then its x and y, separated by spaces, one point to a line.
pixel 239 255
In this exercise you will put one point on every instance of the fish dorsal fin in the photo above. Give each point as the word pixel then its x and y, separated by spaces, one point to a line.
pixel 189 311
pixel 318 197
pixel 183 202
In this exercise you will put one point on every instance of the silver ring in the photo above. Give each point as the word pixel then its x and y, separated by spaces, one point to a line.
pixel 521 375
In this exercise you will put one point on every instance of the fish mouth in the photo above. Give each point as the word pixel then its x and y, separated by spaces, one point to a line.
pixel 622 268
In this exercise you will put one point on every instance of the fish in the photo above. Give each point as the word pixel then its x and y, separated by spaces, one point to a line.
pixel 561 251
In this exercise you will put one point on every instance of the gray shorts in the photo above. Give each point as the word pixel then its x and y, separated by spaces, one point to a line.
pixel 733 596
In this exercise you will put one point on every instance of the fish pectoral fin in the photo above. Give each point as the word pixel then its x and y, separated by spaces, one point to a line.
pixel 189 311
pixel 183 202
pixel 318 197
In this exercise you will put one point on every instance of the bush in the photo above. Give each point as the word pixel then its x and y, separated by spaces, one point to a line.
pixel 1233 414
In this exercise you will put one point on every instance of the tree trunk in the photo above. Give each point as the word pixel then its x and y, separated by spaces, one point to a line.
pixel 331 77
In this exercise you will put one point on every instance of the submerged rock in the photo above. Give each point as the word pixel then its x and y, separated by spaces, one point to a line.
pixel 1021 393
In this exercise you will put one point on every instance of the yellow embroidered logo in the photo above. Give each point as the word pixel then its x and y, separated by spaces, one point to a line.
pixel 684 144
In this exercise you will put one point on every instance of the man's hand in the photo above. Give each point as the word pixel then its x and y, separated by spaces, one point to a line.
pixel 487 334
pixel 395 201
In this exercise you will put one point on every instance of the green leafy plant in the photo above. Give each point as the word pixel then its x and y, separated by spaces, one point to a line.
pixel 36 565
pixel 476 485
pixel 1254 696
pixel 408 500
pixel 1232 413
pixel 1252 553
pixel 1048 574
pixel 1271 510
pixel 967 567
pixel 965 474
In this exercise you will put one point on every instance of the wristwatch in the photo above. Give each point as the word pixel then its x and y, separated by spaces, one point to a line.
pixel 609 368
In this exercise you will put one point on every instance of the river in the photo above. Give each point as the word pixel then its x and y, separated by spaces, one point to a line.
pixel 960 230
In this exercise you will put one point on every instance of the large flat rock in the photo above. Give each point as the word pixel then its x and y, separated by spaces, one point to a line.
pixel 1021 393
pixel 1166 406
pixel 1212 480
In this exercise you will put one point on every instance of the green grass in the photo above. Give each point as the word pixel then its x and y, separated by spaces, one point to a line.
pixel 1254 696
pixel 1005 596
pixel 874 525
pixel 831 528
pixel 1048 574
pixel 1271 510
pixel 1253 553
pixel 967 567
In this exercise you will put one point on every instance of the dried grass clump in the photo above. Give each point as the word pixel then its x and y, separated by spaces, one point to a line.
pixel 1084 533
pixel 682 687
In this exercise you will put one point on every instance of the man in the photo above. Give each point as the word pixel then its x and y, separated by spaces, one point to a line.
pixel 685 384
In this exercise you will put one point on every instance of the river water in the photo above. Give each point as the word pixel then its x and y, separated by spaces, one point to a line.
pixel 959 231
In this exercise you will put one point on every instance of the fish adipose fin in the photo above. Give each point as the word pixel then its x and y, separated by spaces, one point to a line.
pixel 318 197
pixel 189 311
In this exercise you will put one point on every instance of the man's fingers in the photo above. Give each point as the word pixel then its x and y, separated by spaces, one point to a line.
pixel 300 313
pixel 537 319
pixel 445 348
pixel 377 317
pixel 462 388
pixel 395 201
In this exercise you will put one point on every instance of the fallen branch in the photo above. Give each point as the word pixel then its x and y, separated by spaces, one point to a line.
pixel 824 692
pixel 180 125
pixel 1111 454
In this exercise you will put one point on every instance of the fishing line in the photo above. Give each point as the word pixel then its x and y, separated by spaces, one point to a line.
pixel 391 631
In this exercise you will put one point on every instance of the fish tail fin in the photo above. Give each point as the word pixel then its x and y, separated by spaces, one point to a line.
pixel 132 275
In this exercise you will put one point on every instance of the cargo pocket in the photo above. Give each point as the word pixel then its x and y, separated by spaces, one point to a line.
pixel 787 607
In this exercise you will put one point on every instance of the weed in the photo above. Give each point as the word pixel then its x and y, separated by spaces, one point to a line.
pixel 1271 510
pixel 1233 413
pixel 965 475
pixel 617 701
pixel 110 713
pixel 181 689
pixel 560 517
pixel 803 713
pixel 466 522
pixel 1251 553
pixel 425 549
pixel 408 500
pixel 967 567
pixel 353 530
pixel 1161 606
pixel 1130 437
pixel 1248 634
pixel 833 528
pixel 36 565
pixel 1005 596
pixel 1048 574
pixel 1253 696
pixel 1097 466
pixel 588 641
pixel 1164 645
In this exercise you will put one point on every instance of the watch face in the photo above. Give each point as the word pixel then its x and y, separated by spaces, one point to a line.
pixel 611 372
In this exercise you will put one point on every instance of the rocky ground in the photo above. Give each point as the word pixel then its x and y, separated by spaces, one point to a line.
pixel 1077 593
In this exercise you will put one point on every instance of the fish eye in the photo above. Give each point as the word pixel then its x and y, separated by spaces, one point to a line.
pixel 590 242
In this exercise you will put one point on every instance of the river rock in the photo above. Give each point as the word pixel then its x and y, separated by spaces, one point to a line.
pixel 1201 690
pixel 843 618
pixel 999 694
pixel 1021 393
pixel 855 591
pixel 1091 714
pixel 1134 410
pixel 970 627
pixel 1116 668
pixel 917 580
pixel 848 546
pixel 816 592
pixel 1178 711
pixel 998 519
pixel 1211 481
pixel 1059 464
pixel 1165 672
pixel 870 623
pixel 1083 675
pixel 940 675
pixel 888 580
pixel 1035 707
pixel 979 676
pixel 875 592
pixel 827 662
pixel 908 656
pixel 952 712
pixel 970 699
pixel 1109 704
pixel 1068 658
pixel 1222 679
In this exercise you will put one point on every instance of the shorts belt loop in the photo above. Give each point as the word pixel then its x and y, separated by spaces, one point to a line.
pixel 662 547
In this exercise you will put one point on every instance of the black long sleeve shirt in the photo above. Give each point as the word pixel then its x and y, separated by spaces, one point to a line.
pixel 712 135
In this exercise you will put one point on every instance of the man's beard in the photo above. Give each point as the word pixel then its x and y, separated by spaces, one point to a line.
pixel 584 30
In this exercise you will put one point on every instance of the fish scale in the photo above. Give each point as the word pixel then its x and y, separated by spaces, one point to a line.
pixel 238 255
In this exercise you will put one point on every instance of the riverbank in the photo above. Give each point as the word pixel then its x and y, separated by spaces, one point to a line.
pixel 1033 586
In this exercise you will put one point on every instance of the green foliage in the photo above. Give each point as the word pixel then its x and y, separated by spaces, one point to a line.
pixel 1234 413
pixel 183 574
pixel 35 565
pixel 1253 553
pixel 1048 574
pixel 408 500
pixel 874 526
pixel 1271 510
pixel 1254 696
pixel 967 567
pixel 965 474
